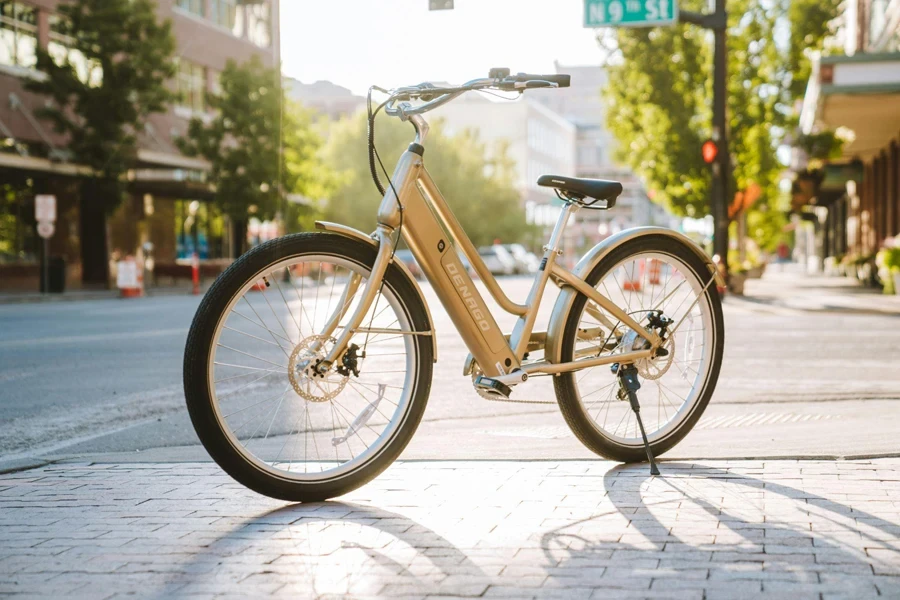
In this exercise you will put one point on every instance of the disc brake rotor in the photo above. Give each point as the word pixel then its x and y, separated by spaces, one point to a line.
pixel 654 368
pixel 314 388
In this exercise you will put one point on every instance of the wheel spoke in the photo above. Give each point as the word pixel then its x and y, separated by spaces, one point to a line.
pixel 268 426
pixel 673 284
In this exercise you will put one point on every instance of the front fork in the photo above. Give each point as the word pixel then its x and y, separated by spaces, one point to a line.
pixel 373 286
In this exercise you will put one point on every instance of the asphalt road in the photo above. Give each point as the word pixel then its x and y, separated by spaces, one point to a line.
pixel 104 376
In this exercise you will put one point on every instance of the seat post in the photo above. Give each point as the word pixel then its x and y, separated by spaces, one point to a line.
pixel 560 227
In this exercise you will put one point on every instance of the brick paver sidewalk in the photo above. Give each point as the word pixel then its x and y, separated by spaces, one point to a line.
pixel 560 529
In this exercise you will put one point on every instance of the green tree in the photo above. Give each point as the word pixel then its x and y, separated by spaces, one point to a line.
pixel 261 148
pixel 479 189
pixel 113 77
pixel 660 92
pixel 811 23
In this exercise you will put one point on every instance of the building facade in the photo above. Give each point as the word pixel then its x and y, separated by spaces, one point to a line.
pixel 163 183
pixel 538 141
pixel 581 104
pixel 852 203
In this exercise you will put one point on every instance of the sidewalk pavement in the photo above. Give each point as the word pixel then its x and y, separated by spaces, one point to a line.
pixel 540 529
pixel 788 286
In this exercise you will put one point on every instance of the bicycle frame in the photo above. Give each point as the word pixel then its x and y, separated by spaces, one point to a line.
pixel 433 234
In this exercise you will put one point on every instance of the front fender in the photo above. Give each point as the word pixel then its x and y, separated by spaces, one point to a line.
pixel 587 263
pixel 359 235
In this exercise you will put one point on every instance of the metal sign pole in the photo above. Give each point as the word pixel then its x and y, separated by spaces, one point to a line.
pixel 46 266
pixel 721 165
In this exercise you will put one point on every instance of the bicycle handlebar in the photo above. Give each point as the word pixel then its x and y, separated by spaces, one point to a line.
pixel 500 80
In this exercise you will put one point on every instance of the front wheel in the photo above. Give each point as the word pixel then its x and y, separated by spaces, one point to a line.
pixel 252 398
pixel 644 275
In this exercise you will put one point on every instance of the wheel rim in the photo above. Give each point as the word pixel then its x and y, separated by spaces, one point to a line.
pixel 671 387
pixel 281 421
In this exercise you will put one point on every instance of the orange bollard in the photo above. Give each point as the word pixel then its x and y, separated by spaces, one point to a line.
pixel 633 279
pixel 654 271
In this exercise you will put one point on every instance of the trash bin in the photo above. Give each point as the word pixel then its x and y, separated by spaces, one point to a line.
pixel 56 275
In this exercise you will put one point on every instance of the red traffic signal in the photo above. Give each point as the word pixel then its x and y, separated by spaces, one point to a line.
pixel 709 151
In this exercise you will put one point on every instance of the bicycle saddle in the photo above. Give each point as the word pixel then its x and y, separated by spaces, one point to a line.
pixel 578 189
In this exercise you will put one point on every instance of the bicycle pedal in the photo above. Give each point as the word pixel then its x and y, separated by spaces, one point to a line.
pixel 493 387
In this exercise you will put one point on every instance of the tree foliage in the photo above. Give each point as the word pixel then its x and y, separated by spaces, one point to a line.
pixel 110 78
pixel 811 24
pixel 478 188
pixel 128 55
pixel 660 94
pixel 260 146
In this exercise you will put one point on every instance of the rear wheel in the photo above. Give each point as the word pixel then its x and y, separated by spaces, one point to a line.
pixel 256 407
pixel 649 273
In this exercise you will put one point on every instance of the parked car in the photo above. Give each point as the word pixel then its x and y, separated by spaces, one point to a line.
pixel 406 257
pixel 526 262
pixel 498 260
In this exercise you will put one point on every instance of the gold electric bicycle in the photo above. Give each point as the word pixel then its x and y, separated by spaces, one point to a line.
pixel 309 362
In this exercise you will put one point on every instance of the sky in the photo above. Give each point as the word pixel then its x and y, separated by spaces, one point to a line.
pixel 358 43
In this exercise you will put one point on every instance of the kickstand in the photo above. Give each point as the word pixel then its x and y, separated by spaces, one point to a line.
pixel 628 382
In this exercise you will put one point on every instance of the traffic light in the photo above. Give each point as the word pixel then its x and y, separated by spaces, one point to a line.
pixel 709 151
pixel 440 4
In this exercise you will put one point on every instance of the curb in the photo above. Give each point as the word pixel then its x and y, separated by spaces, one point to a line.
pixel 777 307
pixel 11 299
pixel 22 464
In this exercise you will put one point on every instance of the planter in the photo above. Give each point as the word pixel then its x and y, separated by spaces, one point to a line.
pixel 864 273
pixel 896 276
pixel 756 272
pixel 736 283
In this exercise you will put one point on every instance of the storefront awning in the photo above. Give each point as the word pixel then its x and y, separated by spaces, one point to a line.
pixel 41 165
pixel 860 93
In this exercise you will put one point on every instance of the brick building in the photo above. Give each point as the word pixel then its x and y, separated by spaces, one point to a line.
pixel 33 159
pixel 853 202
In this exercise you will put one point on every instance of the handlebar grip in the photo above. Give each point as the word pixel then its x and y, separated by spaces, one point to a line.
pixel 559 79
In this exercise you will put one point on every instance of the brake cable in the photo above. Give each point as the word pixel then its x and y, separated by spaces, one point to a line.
pixel 373 155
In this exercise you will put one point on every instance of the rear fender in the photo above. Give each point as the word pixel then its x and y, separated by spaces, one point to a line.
pixel 359 235
pixel 587 263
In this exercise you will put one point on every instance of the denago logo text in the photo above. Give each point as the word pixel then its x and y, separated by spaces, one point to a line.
pixel 466 295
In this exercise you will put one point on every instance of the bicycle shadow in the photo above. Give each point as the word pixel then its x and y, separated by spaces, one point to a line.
pixel 697 530
pixel 333 549
pixel 701 527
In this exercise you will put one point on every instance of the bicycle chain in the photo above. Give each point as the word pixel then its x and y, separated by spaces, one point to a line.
pixel 476 373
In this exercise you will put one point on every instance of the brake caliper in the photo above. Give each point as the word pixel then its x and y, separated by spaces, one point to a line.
pixel 349 362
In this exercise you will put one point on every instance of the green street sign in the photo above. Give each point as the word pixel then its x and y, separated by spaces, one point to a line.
pixel 629 13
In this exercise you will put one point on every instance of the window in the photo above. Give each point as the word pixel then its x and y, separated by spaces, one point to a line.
pixel 192 6
pixel 877 19
pixel 258 29
pixel 192 85
pixel 60 47
pixel 216 78
pixel 224 13
pixel 18 34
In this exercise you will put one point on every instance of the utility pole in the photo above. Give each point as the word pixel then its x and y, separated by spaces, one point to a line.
pixel 717 21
